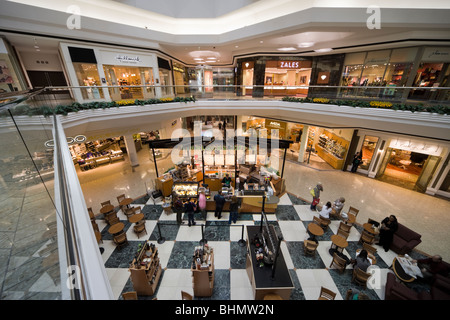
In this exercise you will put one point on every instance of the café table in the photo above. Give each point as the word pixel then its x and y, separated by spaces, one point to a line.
pixel 339 242
pixel 136 217
pixel 315 230
pixel 401 273
pixel 370 228
pixel 107 209
pixel 116 228
pixel 126 202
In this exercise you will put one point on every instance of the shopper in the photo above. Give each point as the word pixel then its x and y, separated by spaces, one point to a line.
pixel 315 192
pixel 178 207
pixel 202 204
pixel 357 159
pixel 389 226
pixel 190 209
pixel 430 267
pixel 338 205
pixel 220 202
pixel 361 261
pixel 234 207
pixel 326 209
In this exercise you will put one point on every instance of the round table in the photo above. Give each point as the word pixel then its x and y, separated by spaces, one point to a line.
pixel 339 242
pixel 315 230
pixel 136 217
pixel 116 228
pixel 369 228
pixel 106 209
pixel 400 273
pixel 126 202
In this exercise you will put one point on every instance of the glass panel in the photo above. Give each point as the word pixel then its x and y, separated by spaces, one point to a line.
pixel 351 77
pixel 368 148
pixel 384 163
pixel 427 172
pixel 445 186
pixel 87 75
pixel 164 77
pixel 29 259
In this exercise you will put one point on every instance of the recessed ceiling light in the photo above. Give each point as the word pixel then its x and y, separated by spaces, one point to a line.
pixel 324 50
pixel 286 49
pixel 306 44
pixel 261 41
pixel 236 46
pixel 198 59
pixel 37 47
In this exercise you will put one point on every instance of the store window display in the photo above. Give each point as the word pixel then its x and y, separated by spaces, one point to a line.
pixel 87 75
pixel 129 76
pixel 367 149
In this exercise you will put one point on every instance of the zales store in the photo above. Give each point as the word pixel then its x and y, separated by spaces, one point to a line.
pixel 96 67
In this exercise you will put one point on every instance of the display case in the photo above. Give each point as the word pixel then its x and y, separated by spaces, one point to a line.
pixel 203 271
pixel 185 189
pixel 146 270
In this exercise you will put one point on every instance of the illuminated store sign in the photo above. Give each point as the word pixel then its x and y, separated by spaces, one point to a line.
pixel 77 139
pixel 289 64
pixel 128 59
pixel 416 146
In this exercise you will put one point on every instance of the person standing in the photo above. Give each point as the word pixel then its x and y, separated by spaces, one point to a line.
pixel 202 204
pixel 234 207
pixel 220 202
pixel 389 226
pixel 178 207
pixel 190 209
pixel 357 159
pixel 226 181
pixel 315 192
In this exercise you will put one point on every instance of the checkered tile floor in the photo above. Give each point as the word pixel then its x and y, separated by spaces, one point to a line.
pixel 231 281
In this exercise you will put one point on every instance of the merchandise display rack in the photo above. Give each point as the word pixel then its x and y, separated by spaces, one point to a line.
pixel 146 270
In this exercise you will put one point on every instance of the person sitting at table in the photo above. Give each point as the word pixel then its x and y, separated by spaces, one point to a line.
pixel 326 209
pixel 432 266
pixel 389 226
pixel 338 205
pixel 361 261
pixel 226 181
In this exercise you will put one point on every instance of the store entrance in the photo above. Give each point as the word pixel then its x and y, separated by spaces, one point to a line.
pixel 410 170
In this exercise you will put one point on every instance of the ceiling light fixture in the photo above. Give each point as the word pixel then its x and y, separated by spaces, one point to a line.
pixel 286 49
pixel 306 44
pixel 324 50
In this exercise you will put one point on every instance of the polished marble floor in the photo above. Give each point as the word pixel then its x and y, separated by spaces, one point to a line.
pixel 375 199
pixel 231 281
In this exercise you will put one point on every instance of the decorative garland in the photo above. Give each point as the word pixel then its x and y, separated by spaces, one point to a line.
pixel 440 109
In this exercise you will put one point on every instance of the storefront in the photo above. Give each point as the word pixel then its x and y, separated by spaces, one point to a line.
pixel 268 76
pixel 201 81
pixel 10 76
pixel 382 68
pixel 180 78
pixel 164 77
pixel 433 71
pixel 95 67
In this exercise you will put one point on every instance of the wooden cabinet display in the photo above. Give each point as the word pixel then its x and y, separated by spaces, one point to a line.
pixel 146 270
pixel 164 185
pixel 203 272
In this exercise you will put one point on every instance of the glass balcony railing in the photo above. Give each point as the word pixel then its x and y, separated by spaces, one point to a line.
pixel 40 258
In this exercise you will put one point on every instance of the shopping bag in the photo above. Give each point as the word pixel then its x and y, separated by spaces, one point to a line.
pixel 315 201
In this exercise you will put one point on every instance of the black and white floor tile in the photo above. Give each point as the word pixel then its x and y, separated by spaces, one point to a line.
pixel 291 219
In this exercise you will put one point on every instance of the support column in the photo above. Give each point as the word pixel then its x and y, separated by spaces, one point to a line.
pixel 131 150
pixel 303 144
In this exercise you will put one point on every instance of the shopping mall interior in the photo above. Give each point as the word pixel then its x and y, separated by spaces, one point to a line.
pixel 116 109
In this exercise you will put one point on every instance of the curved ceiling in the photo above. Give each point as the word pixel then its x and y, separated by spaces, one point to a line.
pixel 231 29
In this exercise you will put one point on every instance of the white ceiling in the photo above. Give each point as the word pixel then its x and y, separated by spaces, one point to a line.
pixel 241 29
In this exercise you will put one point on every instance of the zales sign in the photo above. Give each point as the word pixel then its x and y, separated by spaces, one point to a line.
pixel 289 64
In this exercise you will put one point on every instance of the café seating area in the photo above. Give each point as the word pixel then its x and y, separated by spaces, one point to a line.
pixel 314 249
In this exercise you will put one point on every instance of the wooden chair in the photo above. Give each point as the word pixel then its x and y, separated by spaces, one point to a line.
pixel 121 240
pixel 326 294
pixel 120 198
pixel 317 221
pixel 339 263
pixel 324 222
pixel 105 203
pixel 345 227
pixel 185 296
pixel 137 210
pixel 349 294
pixel 309 247
pixel 140 227
pixel 344 234
pixel 353 211
pixel 130 212
pixel 360 277
pixel 98 236
pixel 366 237
pixel 91 214
pixel 369 248
pixel 132 295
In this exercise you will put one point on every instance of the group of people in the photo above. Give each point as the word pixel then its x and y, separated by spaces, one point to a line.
pixel 191 206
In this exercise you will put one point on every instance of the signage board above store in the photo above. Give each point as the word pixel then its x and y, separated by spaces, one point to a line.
pixel 127 59
pixel 436 55
pixel 289 64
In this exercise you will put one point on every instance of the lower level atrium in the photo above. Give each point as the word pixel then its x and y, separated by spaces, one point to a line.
pixel 375 200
